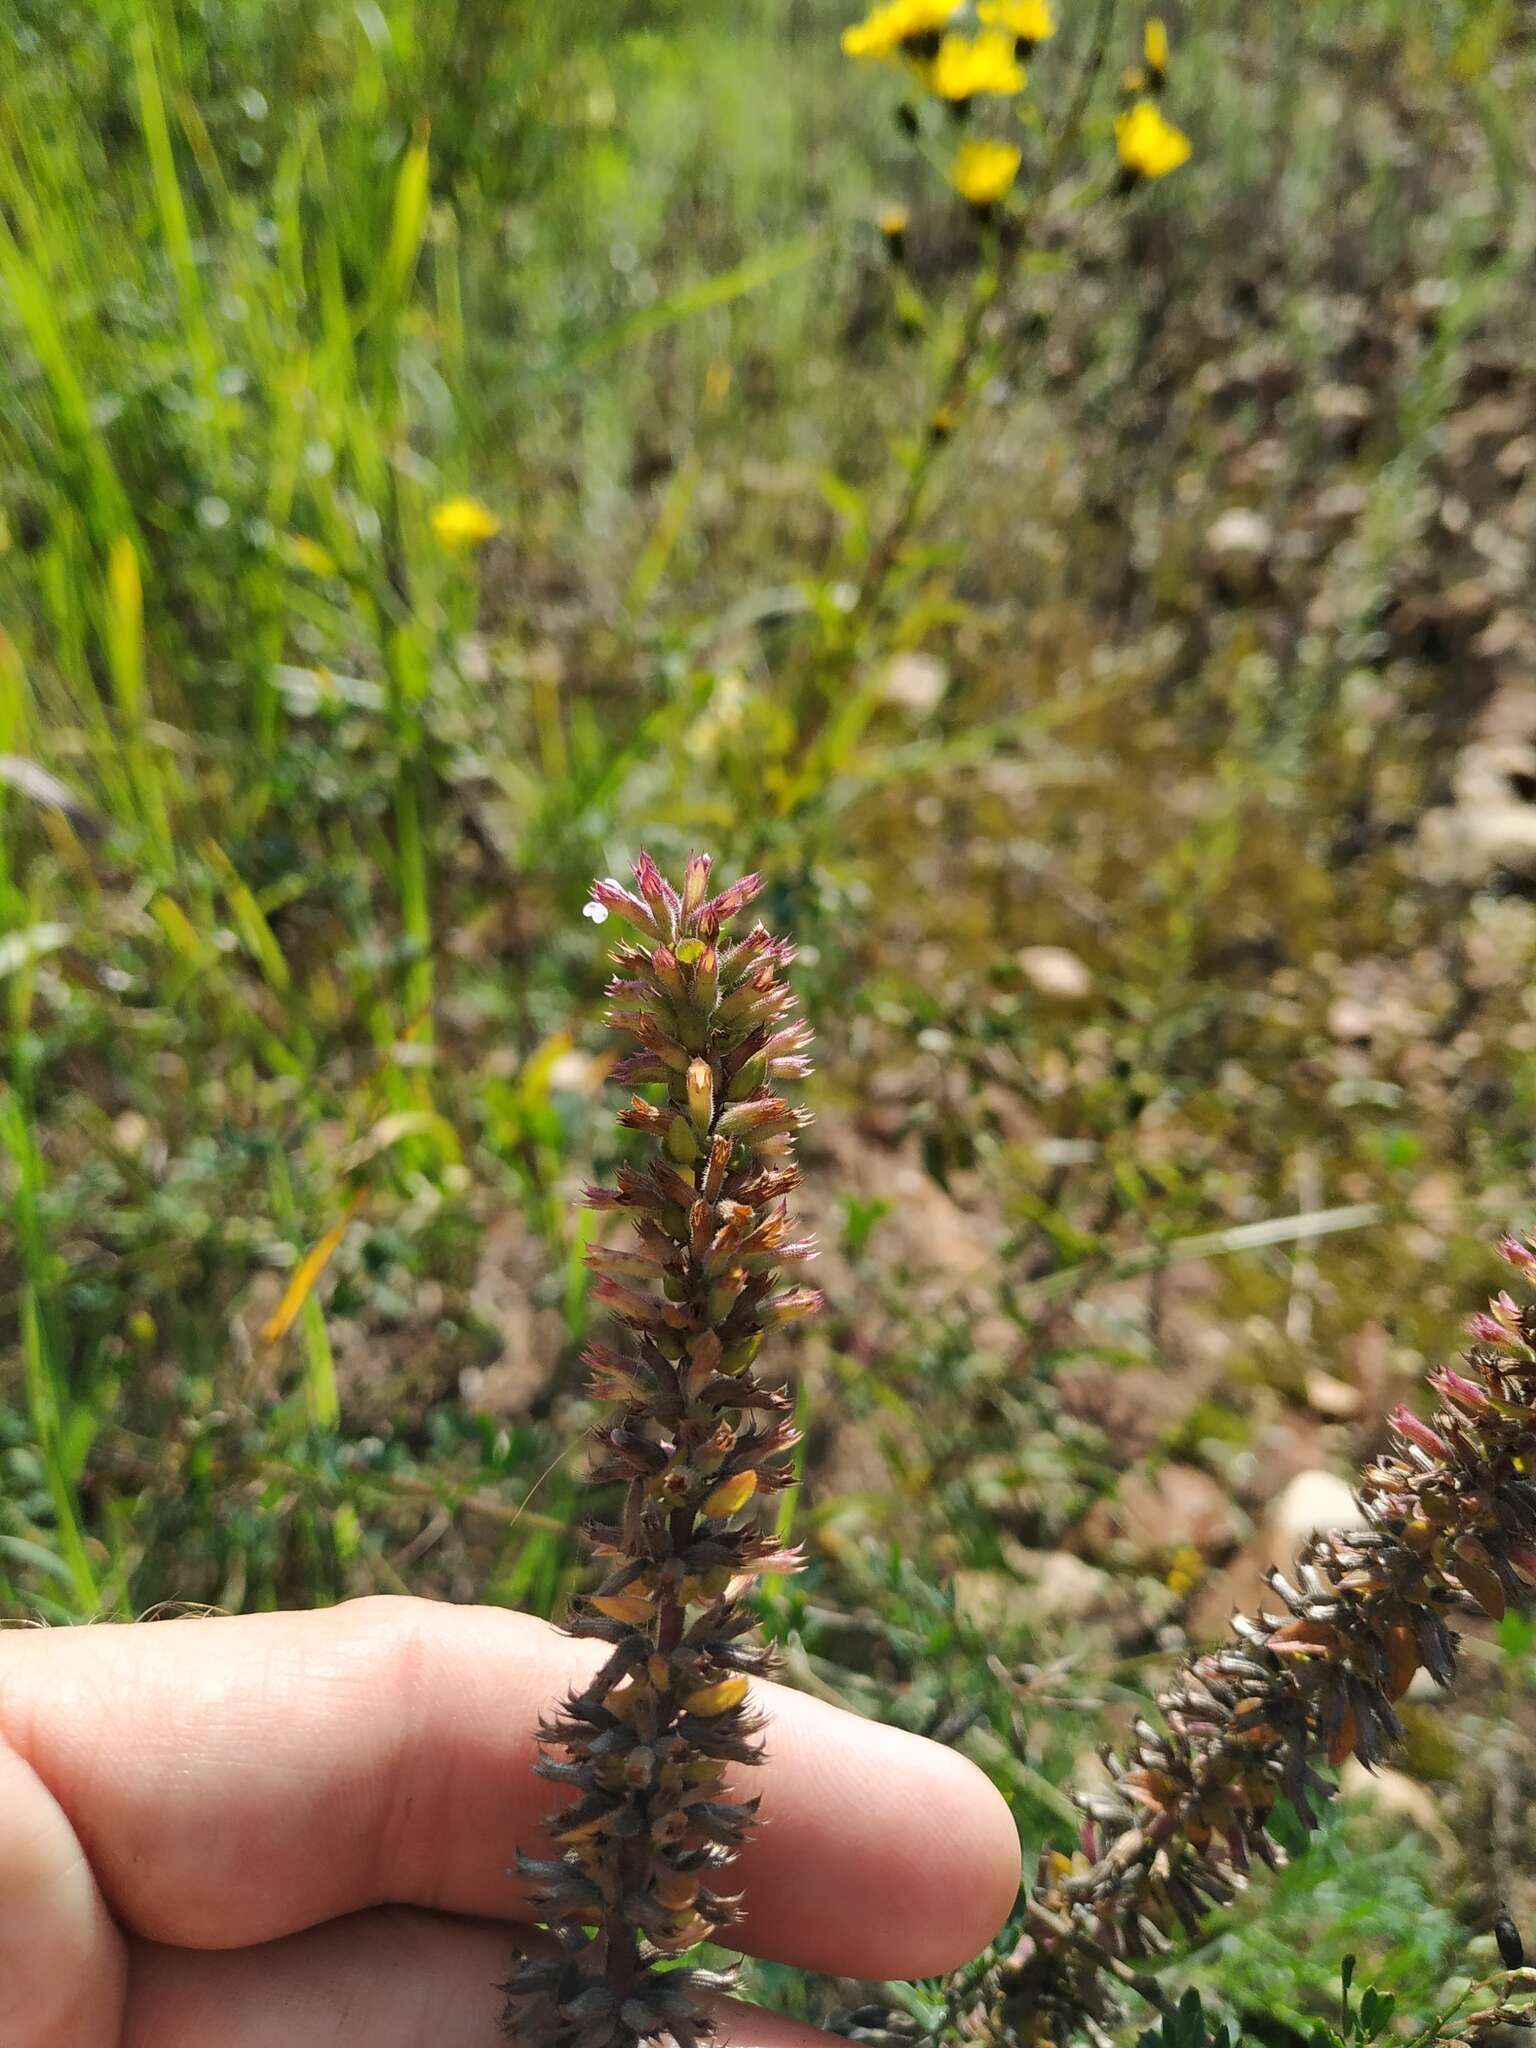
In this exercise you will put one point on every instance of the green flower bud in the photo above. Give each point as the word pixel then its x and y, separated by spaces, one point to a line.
pixel 701 1094
pixel 681 1143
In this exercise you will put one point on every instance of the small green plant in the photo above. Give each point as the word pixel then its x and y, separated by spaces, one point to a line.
pixel 1187 2026
pixel 1364 2021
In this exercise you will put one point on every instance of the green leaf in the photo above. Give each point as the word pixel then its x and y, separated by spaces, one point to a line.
pixel 688 302
pixel 408 219
pixel 1376 2009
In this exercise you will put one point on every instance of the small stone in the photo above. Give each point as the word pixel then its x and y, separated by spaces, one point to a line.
pixel 1336 1399
pixel 1178 1514
pixel 1240 531
pixel 1342 404
pixel 1341 502
pixel 1064 1587
pixel 1040 1589
pixel 1352 1021
pixel 916 682
pixel 132 1131
pixel 1395 1793
pixel 1313 1501
pixel 575 1072
pixel 1054 971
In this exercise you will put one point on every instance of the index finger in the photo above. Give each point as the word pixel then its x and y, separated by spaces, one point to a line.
pixel 236 1780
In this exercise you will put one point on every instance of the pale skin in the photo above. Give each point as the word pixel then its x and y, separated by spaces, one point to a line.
pixel 292 1831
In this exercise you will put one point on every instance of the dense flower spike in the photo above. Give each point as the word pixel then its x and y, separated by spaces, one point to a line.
pixel 697 1442
pixel 1449 1523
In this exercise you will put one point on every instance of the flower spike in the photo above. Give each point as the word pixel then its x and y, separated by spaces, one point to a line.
pixel 699 1444
pixel 1448 1526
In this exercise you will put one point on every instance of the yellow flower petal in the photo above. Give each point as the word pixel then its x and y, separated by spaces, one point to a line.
pixel 888 30
pixel 1030 21
pixel 983 171
pixel 1148 145
pixel 731 1495
pixel 718 1698
pixel 962 68
pixel 1154 45
pixel 464 523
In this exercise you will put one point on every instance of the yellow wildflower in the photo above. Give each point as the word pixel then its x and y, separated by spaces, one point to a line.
pixel 1027 21
pixel 962 68
pixel 1149 146
pixel 464 523
pixel 1154 46
pixel 893 222
pixel 888 29
pixel 983 171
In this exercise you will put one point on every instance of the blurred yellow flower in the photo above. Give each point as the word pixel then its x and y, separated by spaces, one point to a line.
pixel 1029 21
pixel 983 171
pixel 1154 45
pixel 962 68
pixel 893 220
pixel 1149 146
pixel 886 30
pixel 464 523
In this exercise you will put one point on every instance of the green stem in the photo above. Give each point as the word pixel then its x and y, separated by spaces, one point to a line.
pixel 41 1375
pixel 957 378
pixel 415 901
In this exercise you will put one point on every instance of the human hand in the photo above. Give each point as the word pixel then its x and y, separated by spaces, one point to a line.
pixel 291 1831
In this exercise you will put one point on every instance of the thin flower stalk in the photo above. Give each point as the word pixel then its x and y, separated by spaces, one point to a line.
pixel 1448 1526
pixel 958 375
pixel 693 1442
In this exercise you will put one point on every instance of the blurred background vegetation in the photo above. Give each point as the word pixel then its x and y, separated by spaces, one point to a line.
pixel 1161 841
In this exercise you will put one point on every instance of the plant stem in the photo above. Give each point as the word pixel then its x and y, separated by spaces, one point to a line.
pixel 45 1391
pixel 956 379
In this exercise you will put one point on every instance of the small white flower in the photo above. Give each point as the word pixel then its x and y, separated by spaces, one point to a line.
pixel 596 911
